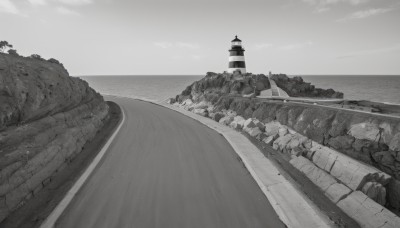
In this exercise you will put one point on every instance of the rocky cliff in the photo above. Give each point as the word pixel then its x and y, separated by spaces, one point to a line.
pixel 361 148
pixel 46 117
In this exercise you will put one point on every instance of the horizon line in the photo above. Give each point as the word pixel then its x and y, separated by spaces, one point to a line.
pixel 190 75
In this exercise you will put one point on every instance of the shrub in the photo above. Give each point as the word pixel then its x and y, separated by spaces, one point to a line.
pixel 51 60
pixel 4 45
pixel 36 56
pixel 13 52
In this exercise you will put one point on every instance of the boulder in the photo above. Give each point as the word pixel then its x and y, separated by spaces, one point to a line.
pixel 365 130
pixel 354 174
pixel 237 123
pixel 249 123
pixel 297 141
pixel 375 191
pixel 298 151
pixel 171 100
pixel 331 188
pixel 201 105
pixel 308 144
pixel 385 159
pixel 218 116
pixel 324 158
pixel 226 120
pixel 394 144
pixel 201 112
pixel 187 102
pixel 253 132
pixel 261 137
pixel 341 142
pixel 337 192
pixel 211 108
pixel 386 132
pixel 281 142
pixel 272 128
pixel 393 193
pixel 270 139
pixel 367 212
pixel 350 172
pixel 229 113
pixel 282 131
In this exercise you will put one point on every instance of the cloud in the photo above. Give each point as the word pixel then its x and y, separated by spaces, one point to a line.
pixel 365 13
pixel 76 2
pixel 262 46
pixel 321 9
pixel 197 57
pixel 163 44
pixel 6 6
pixel 290 47
pixel 65 2
pixel 324 5
pixel 66 11
pixel 332 2
pixel 187 45
pixel 393 48
pixel 38 2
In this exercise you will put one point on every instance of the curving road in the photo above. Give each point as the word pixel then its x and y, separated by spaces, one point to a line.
pixel 166 170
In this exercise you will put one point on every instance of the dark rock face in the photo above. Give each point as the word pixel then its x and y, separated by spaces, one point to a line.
pixel 296 87
pixel 46 117
pixel 211 87
pixel 31 89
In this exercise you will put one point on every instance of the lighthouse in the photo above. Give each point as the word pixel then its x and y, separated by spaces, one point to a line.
pixel 236 57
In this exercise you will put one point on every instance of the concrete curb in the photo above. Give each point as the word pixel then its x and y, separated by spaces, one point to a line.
pixel 56 213
pixel 289 204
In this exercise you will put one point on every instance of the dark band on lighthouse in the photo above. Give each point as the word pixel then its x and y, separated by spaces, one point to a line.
pixel 236 57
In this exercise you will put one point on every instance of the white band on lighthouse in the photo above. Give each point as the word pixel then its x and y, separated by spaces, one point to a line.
pixel 236 58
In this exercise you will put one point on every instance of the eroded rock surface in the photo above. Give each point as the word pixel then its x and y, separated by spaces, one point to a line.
pixel 46 117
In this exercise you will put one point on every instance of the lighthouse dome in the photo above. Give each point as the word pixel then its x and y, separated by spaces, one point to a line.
pixel 236 42
pixel 236 39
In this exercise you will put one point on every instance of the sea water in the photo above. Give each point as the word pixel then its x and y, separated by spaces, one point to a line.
pixel 160 87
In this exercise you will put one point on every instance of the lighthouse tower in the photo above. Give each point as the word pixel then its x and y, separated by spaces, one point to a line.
pixel 236 57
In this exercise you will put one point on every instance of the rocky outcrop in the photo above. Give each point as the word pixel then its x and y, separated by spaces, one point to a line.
pixel 296 87
pixel 213 86
pixel 46 117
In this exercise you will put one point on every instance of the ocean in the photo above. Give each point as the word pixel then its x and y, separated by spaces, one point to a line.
pixel 158 88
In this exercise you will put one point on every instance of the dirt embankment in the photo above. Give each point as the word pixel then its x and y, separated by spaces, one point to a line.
pixel 46 118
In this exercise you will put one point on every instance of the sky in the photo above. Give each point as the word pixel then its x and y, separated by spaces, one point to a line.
pixel 192 37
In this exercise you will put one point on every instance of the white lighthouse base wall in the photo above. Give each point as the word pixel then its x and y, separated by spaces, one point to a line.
pixel 242 70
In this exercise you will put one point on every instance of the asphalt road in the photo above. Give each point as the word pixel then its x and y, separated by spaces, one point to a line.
pixel 166 170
